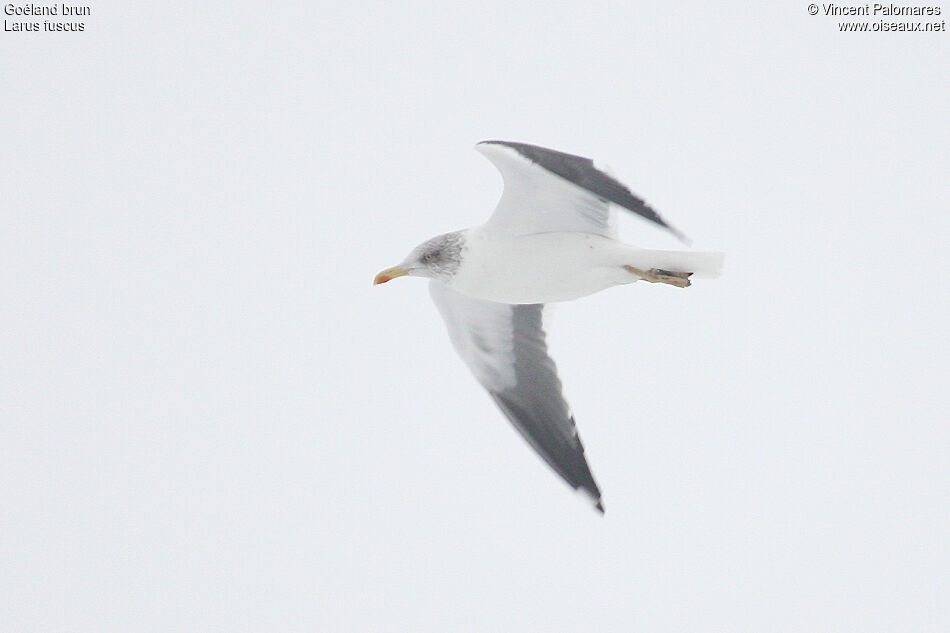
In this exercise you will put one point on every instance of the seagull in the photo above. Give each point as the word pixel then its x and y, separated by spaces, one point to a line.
pixel 551 238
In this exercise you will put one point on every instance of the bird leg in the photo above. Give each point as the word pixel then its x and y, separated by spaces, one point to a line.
pixel 660 276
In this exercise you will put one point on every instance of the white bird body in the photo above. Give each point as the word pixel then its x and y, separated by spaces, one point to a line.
pixel 560 265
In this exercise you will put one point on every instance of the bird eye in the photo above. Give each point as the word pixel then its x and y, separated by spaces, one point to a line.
pixel 428 257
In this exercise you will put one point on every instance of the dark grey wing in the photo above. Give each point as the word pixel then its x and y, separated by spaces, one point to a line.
pixel 544 188
pixel 504 346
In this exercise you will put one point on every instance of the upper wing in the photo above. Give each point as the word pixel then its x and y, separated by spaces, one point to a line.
pixel 504 346
pixel 547 190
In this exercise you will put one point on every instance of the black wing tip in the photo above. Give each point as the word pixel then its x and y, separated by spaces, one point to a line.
pixel 682 237
pixel 593 495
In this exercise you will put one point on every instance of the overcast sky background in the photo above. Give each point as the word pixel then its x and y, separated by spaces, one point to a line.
pixel 210 419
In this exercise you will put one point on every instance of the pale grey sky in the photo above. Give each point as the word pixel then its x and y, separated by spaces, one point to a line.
pixel 210 420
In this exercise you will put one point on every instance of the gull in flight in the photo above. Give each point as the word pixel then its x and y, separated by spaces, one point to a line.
pixel 551 238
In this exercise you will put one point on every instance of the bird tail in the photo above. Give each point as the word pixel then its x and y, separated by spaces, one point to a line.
pixel 701 264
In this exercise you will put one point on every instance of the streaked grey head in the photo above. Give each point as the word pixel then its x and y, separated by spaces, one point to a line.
pixel 436 258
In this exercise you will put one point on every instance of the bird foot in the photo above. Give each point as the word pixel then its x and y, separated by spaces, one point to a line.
pixel 660 276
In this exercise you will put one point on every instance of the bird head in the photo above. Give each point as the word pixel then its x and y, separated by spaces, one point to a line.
pixel 437 258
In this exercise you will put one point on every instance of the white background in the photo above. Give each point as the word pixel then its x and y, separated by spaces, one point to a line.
pixel 211 421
